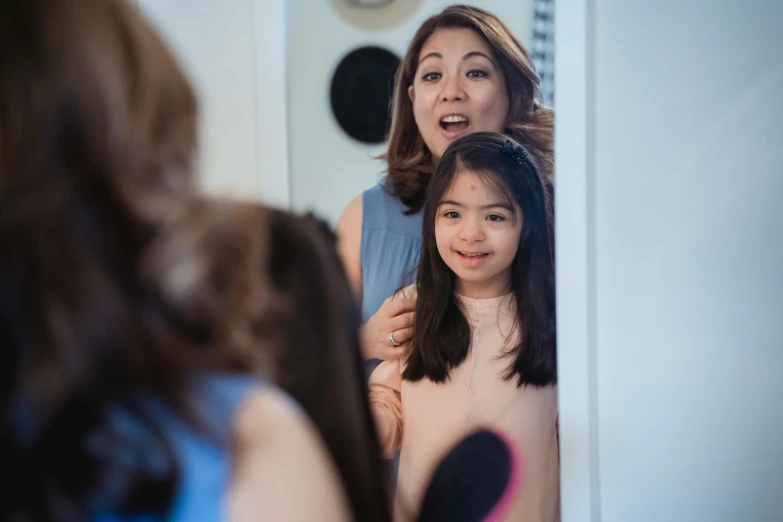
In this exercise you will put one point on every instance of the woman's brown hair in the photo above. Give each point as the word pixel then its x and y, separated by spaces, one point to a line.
pixel 120 287
pixel 410 163
pixel 112 286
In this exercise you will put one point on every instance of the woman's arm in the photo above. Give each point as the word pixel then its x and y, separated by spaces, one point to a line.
pixel 349 234
pixel 281 468
pixel 395 314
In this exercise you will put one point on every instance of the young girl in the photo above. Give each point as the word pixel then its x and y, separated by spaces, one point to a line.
pixel 483 350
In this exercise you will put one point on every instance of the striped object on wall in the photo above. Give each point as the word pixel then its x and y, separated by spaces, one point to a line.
pixel 544 47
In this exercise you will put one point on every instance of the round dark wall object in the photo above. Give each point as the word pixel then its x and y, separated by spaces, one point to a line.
pixel 361 92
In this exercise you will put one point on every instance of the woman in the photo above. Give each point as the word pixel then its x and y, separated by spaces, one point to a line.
pixel 133 316
pixel 464 72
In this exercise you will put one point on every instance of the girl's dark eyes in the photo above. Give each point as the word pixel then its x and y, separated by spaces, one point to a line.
pixel 477 73
pixel 430 77
pixel 453 214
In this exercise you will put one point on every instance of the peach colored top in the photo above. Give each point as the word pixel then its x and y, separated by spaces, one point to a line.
pixel 423 420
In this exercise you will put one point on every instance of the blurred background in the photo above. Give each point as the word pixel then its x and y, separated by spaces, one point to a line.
pixel 669 177
pixel 264 69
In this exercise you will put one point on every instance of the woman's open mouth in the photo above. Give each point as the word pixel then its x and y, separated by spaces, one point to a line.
pixel 454 125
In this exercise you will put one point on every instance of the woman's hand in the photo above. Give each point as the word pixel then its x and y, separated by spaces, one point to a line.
pixel 395 317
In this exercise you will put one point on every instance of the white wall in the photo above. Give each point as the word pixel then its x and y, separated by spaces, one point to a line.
pixel 234 52
pixel 670 291
pixel 262 69
pixel 327 167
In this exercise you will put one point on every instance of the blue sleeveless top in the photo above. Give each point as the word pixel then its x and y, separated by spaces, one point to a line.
pixel 390 247
pixel 204 464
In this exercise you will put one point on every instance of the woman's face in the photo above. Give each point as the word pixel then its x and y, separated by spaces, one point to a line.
pixel 458 89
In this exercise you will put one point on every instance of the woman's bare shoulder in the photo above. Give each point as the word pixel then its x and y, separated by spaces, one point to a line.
pixel 282 470
pixel 351 218
pixel 349 243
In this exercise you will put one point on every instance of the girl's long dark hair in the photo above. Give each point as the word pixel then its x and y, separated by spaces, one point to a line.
pixel 441 339
pixel 315 325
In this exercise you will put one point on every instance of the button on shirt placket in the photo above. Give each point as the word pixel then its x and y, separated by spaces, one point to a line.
pixel 474 347
pixel 472 413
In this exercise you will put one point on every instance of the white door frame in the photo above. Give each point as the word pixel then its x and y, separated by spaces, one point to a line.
pixel 575 266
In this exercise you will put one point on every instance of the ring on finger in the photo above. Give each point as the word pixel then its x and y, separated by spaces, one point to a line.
pixel 391 340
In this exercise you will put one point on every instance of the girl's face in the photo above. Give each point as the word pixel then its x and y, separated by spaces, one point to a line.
pixel 477 235
pixel 458 89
